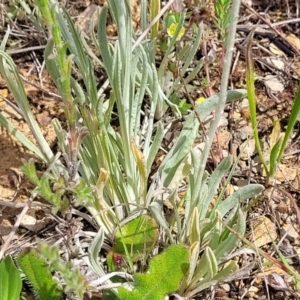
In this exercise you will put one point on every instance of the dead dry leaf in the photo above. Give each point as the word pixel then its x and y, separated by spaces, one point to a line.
pixel 272 269
pixel 264 231
pixel 275 50
pixel 285 173
pixel 88 17
pixel 293 40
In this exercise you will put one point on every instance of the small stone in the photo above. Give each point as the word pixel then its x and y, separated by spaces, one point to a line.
pixel 273 83
pixel 29 220
pixel 245 103
pixel 245 132
pixel 276 62
pixel 225 287
pixel 247 149
pixel 223 121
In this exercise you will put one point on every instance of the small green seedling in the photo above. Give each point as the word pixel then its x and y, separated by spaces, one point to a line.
pixel 184 106
pixel 278 140
pixel 223 15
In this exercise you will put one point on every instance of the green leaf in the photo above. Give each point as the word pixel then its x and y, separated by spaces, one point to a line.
pixel 229 241
pixel 207 267
pixel 21 137
pixel 164 276
pixel 51 65
pixel 157 212
pixel 207 282
pixel 194 257
pixel 11 76
pixel 103 42
pixel 206 107
pixel 136 238
pixel 214 235
pixel 212 263
pixel 252 99
pixel 179 151
pixel 244 193
pixel 38 275
pixel 214 184
pixel 29 170
pixel 74 280
pixel 184 106
pixel 93 252
pixel 194 232
pixel 10 280
pixel 156 144
pixel 291 124
pixel 273 157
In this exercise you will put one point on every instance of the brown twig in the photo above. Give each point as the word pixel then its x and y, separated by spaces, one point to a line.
pixel 16 226
pixel 272 27
pixel 22 50
pixel 265 63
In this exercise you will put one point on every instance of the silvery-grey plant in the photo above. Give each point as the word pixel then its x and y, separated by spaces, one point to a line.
pixel 113 167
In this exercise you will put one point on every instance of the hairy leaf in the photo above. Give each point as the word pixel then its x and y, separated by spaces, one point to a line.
pixel 165 274
pixel 38 275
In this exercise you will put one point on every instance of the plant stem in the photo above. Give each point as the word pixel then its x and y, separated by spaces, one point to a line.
pixel 224 84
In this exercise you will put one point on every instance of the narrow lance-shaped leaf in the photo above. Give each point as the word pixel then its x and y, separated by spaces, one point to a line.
pixel 213 184
pixel 93 252
pixel 273 157
pixel 242 194
pixel 292 121
pixel 179 150
pixel 252 98
pixel 194 257
pixel 10 73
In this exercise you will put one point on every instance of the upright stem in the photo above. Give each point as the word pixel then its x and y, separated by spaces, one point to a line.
pixel 224 83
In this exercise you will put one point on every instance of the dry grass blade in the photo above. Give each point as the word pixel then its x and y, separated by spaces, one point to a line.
pixel 16 226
